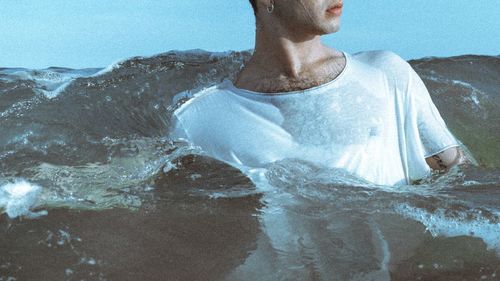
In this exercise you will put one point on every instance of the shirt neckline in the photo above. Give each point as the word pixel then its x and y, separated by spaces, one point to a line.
pixel 229 84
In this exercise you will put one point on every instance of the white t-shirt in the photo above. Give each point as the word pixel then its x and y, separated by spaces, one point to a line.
pixel 376 120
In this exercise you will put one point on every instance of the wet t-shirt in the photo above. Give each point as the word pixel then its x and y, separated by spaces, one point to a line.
pixel 376 120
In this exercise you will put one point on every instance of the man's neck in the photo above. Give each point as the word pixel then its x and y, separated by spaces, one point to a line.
pixel 286 56
pixel 286 63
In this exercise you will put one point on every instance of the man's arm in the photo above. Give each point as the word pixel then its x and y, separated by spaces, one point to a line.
pixel 445 160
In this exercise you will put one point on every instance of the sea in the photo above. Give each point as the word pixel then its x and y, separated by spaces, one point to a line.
pixel 91 187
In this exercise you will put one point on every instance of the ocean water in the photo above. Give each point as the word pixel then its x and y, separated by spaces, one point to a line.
pixel 92 189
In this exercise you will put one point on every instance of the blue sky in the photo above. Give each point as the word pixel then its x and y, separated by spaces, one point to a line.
pixel 95 33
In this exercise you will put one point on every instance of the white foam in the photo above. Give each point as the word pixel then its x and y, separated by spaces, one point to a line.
pixel 474 92
pixel 462 83
pixel 440 224
pixel 48 82
pixel 114 65
pixel 50 94
pixel 16 199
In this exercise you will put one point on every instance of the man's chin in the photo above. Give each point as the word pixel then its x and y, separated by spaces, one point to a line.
pixel 329 30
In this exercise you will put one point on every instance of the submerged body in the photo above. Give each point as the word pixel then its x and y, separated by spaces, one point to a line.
pixel 380 128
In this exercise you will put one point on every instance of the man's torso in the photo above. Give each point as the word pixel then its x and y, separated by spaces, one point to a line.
pixel 350 123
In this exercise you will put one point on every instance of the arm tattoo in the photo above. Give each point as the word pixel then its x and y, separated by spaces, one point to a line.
pixel 445 160
pixel 439 161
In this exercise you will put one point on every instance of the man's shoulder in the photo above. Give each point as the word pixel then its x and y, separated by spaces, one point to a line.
pixel 383 59
pixel 195 98
pixel 396 70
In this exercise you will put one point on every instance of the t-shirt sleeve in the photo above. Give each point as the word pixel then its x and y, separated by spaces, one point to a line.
pixel 434 136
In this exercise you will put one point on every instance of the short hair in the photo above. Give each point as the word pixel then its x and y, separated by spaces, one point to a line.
pixel 254 6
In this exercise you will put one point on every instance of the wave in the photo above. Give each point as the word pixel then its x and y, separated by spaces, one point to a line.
pixel 95 139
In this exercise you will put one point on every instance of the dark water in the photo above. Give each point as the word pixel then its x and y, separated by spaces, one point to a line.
pixel 91 189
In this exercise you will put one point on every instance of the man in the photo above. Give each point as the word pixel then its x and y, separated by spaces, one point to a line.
pixel 368 113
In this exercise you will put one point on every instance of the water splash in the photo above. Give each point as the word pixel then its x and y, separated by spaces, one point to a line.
pixel 19 197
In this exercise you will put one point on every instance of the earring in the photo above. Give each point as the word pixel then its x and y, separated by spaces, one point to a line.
pixel 270 8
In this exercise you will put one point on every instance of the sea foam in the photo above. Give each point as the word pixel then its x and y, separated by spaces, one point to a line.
pixel 438 223
pixel 18 198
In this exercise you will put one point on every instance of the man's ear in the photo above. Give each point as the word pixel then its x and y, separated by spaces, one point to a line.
pixel 262 5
